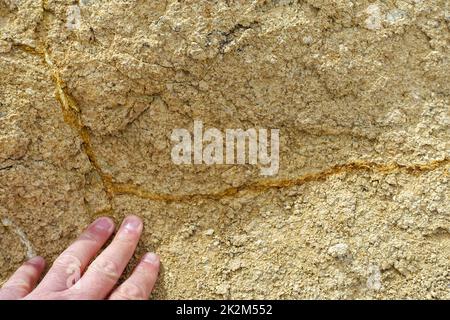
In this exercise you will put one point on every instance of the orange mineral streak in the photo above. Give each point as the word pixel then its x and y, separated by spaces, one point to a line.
pixel 261 186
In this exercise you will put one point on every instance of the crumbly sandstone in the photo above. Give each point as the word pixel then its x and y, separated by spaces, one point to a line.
pixel 91 90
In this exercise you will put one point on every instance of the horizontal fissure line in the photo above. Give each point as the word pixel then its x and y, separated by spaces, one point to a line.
pixel 265 185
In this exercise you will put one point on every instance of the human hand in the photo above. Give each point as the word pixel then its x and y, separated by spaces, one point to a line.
pixel 72 276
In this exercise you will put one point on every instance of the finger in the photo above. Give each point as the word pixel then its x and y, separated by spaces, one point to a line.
pixel 140 284
pixel 103 273
pixel 69 266
pixel 23 280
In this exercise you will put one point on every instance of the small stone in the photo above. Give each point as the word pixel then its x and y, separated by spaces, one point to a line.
pixel 395 16
pixel 374 279
pixel 307 40
pixel 447 15
pixel 85 2
pixel 373 21
pixel 223 288
pixel 239 240
pixel 203 85
pixel 5 46
pixel 209 232
pixel 235 264
pixel 73 20
pixel 338 250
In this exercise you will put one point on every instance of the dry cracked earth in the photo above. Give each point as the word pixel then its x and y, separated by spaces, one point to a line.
pixel 91 91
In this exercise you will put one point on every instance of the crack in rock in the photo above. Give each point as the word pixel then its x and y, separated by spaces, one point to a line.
pixel 265 185
pixel 6 222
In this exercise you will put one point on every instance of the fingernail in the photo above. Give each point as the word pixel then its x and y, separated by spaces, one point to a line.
pixel 151 258
pixel 37 261
pixel 103 224
pixel 132 223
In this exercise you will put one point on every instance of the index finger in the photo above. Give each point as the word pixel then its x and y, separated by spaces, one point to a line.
pixel 105 271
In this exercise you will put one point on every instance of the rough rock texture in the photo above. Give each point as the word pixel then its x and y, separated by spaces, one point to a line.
pixel 91 90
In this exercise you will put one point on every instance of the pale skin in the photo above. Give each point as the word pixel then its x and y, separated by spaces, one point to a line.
pixel 78 274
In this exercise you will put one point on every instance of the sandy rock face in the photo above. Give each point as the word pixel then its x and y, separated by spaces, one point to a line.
pixel 91 91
